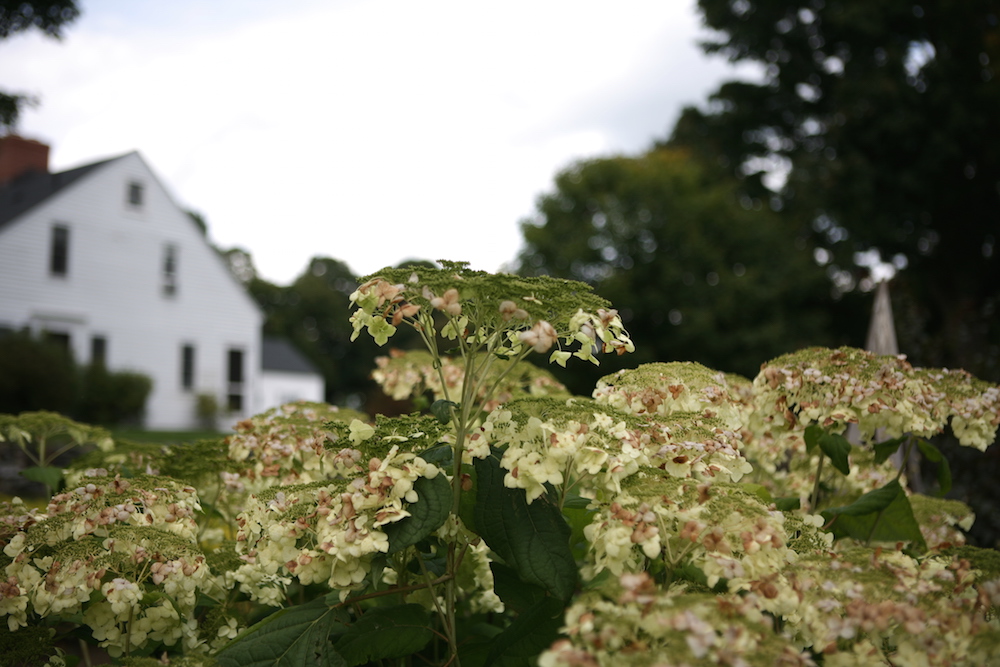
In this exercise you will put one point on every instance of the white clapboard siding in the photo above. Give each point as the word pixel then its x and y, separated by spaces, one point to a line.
pixel 114 288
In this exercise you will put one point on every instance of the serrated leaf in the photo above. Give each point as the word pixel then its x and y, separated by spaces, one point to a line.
pixel 883 450
pixel 517 596
pixel 384 633
pixel 47 475
pixel 882 515
pixel 426 515
pixel 934 455
pixel 531 633
pixel 294 637
pixel 534 538
pixel 837 449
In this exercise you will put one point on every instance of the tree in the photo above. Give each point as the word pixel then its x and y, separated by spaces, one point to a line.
pixel 884 116
pixel 49 16
pixel 704 277
pixel 313 312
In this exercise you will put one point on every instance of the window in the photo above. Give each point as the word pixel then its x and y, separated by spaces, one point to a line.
pixel 169 270
pixel 234 394
pixel 187 367
pixel 98 350
pixel 59 252
pixel 135 193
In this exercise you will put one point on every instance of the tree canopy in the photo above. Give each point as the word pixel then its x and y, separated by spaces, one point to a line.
pixel 49 16
pixel 883 118
pixel 703 276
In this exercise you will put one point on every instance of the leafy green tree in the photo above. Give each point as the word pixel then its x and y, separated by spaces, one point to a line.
pixel 704 278
pixel 883 114
pixel 313 312
pixel 49 16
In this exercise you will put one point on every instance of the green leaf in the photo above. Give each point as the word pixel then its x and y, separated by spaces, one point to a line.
pixel 426 515
pixel 883 450
pixel 384 633
pixel 294 637
pixel 934 455
pixel 441 409
pixel 47 475
pixel 787 504
pixel 531 538
pixel 882 515
pixel 760 491
pixel 517 596
pixel 837 449
pixel 873 501
pixel 812 435
pixel 531 633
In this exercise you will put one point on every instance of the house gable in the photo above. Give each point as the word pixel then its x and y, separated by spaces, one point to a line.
pixel 103 255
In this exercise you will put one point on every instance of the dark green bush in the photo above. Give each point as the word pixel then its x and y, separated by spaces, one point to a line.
pixel 40 374
pixel 112 398
pixel 35 375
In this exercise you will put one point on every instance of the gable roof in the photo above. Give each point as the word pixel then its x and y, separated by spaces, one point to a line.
pixel 31 189
pixel 278 354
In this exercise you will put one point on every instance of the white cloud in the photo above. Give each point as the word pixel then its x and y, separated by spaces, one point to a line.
pixel 370 132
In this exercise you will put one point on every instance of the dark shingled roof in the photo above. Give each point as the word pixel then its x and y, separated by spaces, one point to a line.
pixel 33 188
pixel 278 354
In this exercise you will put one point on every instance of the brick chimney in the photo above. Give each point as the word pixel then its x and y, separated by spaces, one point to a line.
pixel 19 156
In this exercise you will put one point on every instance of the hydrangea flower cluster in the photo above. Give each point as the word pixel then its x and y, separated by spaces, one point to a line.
pixel 329 531
pixel 285 445
pixel 517 315
pixel 834 388
pixel 667 388
pixel 724 531
pixel 864 606
pixel 121 553
pixel 633 621
pixel 582 445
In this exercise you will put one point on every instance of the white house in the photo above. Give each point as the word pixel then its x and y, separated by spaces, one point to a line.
pixel 101 258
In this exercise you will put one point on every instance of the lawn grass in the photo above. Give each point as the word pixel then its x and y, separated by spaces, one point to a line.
pixel 165 437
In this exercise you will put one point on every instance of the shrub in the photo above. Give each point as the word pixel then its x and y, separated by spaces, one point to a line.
pixel 678 517
pixel 35 375
pixel 112 398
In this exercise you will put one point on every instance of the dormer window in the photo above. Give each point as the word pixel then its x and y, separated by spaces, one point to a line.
pixel 135 194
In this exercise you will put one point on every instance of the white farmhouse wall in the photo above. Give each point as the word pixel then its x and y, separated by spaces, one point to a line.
pixel 114 288
pixel 278 387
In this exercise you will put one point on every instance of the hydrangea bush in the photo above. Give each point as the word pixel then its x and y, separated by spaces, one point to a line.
pixel 677 517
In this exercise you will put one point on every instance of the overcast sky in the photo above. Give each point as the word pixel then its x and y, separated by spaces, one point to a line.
pixel 369 131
